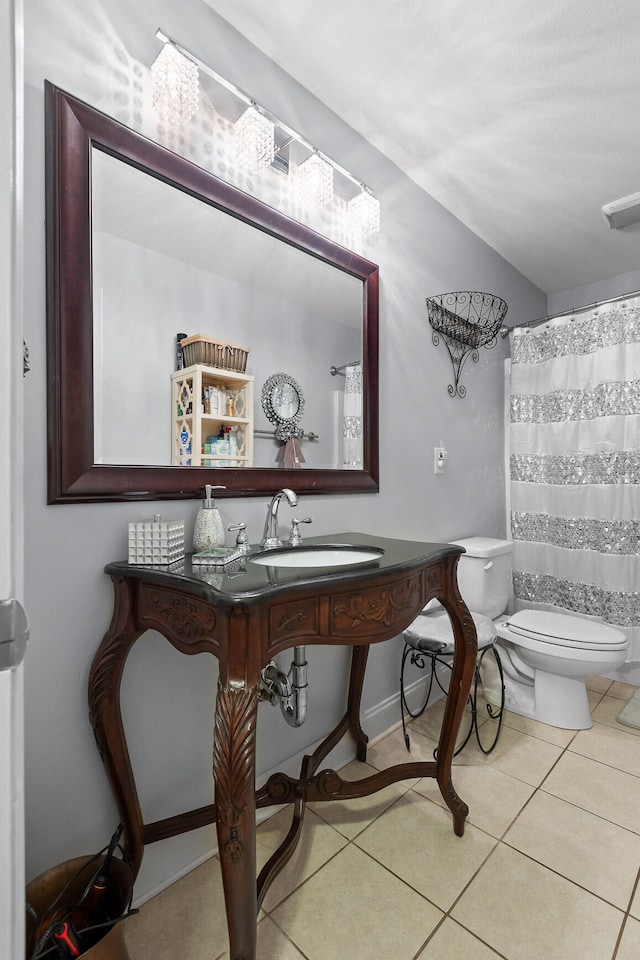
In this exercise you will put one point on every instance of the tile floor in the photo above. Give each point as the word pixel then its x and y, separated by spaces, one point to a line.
pixel 548 866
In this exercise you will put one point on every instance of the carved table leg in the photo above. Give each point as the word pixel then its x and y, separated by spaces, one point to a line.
pixel 106 720
pixel 461 676
pixel 234 777
pixel 359 657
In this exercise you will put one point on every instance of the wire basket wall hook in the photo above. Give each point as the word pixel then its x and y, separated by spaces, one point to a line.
pixel 466 320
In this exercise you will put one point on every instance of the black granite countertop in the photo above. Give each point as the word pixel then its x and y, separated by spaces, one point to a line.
pixel 245 582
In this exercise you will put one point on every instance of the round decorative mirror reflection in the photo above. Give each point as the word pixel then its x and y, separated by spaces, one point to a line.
pixel 283 404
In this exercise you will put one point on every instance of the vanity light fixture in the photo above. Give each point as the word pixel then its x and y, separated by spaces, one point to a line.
pixel 254 132
pixel 254 138
pixel 364 213
pixel 175 85
pixel 315 179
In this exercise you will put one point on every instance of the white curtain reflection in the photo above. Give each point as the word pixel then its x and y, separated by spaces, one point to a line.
pixel 352 417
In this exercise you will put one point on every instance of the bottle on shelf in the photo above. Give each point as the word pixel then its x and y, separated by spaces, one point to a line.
pixel 179 355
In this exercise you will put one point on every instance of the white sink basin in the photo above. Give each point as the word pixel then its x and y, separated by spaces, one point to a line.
pixel 332 555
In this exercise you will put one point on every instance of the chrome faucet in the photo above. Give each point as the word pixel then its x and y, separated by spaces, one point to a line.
pixel 270 536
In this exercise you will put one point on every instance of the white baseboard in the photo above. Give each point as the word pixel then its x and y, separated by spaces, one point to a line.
pixel 627 673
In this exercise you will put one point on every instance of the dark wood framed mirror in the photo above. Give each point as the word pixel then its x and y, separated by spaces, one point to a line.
pixel 79 469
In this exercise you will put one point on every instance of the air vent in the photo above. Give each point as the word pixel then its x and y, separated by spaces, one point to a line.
pixel 622 213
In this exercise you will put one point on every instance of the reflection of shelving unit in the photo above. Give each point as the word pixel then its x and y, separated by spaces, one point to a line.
pixel 192 423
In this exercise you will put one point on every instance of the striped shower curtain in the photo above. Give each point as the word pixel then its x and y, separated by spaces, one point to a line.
pixel 575 466
pixel 352 417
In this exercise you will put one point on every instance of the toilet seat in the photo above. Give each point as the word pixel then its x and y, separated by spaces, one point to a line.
pixel 563 630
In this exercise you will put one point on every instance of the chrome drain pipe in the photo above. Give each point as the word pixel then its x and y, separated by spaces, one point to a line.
pixel 289 690
pixel 297 714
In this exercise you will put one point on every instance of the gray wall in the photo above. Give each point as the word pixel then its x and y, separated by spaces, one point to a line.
pixel 592 292
pixel 99 50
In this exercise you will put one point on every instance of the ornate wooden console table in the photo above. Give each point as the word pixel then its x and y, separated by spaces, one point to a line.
pixel 244 620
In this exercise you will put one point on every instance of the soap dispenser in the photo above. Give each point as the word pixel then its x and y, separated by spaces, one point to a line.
pixel 208 531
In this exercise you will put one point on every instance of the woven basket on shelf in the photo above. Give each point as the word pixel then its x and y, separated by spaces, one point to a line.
pixel 214 353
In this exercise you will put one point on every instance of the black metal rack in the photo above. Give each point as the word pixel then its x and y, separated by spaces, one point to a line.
pixel 466 320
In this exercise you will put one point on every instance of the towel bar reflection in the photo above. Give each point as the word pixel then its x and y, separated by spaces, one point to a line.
pixel 339 371
pixel 309 435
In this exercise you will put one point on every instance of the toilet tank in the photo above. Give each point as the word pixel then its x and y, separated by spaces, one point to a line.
pixel 484 574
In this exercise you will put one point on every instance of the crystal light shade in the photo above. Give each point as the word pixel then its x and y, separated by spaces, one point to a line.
pixel 364 214
pixel 254 140
pixel 175 85
pixel 315 178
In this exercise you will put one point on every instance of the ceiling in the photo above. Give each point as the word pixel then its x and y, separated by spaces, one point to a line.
pixel 520 117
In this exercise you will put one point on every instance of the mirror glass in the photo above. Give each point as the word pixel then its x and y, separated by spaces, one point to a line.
pixel 143 245
pixel 286 401
pixel 164 263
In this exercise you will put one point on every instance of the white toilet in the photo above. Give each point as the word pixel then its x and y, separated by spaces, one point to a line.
pixel 545 656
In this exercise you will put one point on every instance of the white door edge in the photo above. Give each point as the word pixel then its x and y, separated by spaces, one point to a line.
pixel 12 870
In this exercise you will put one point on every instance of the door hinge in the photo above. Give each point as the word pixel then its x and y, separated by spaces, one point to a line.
pixel 14 633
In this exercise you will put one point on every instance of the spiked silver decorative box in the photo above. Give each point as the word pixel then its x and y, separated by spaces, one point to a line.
pixel 156 541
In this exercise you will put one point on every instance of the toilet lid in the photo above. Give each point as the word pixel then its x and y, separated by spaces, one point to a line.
pixel 565 630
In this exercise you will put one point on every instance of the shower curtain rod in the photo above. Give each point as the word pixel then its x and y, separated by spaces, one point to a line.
pixel 505 331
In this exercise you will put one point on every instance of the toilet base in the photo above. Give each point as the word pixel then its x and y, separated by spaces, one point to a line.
pixel 561 701
pixel 552 699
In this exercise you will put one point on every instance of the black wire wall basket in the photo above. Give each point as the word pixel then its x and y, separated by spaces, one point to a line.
pixel 466 320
